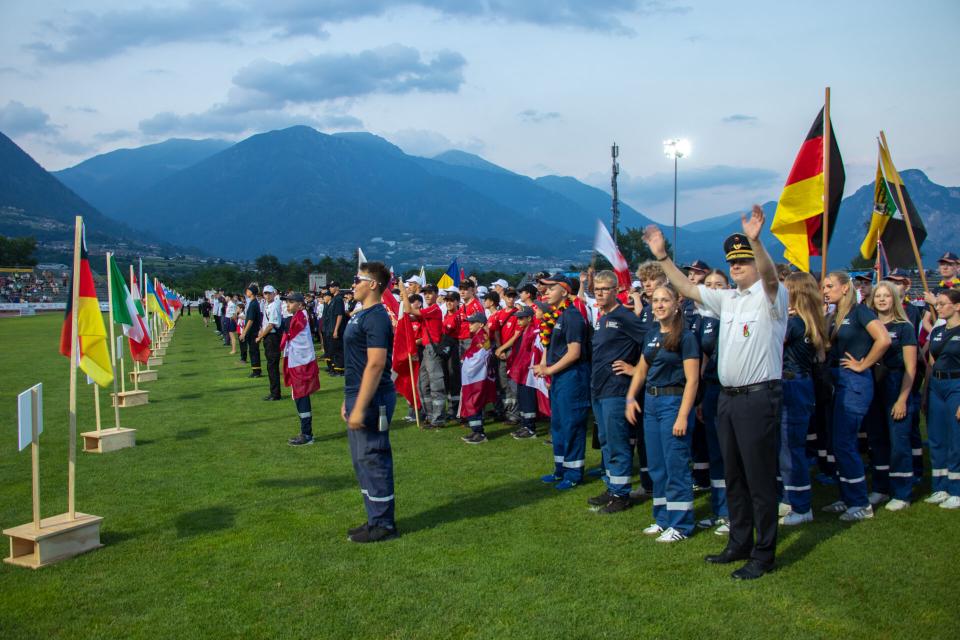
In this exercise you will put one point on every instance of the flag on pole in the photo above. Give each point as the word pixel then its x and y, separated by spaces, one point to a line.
pixel 882 266
pixel 451 278
pixel 138 303
pixel 300 371
pixel 405 354
pixel 360 257
pixel 422 278
pixel 125 314
pixel 478 379
pixel 93 354
pixel 798 221
pixel 604 244
pixel 155 303
pixel 887 224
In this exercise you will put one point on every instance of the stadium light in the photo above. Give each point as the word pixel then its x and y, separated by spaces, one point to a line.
pixel 675 149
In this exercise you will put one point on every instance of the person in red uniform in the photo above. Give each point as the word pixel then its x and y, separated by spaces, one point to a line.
pixel 450 352
pixel 432 379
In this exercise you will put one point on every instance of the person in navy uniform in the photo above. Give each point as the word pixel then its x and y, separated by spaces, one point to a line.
pixel 338 319
pixel 616 348
pixel 251 329
pixel 888 431
pixel 697 273
pixel 369 401
pixel 858 342
pixel 804 344
pixel 564 332
pixel 709 392
pixel 943 414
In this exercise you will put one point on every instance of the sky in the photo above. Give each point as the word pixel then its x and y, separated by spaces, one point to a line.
pixel 537 86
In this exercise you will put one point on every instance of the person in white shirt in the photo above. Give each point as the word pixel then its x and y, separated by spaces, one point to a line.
pixel 270 337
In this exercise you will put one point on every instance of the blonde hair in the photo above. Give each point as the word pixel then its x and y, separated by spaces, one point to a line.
pixel 651 270
pixel 805 299
pixel 847 302
pixel 899 315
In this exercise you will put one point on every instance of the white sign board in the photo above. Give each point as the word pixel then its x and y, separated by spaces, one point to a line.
pixel 25 415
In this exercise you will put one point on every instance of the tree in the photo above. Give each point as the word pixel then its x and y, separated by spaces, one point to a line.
pixel 630 242
pixel 17 252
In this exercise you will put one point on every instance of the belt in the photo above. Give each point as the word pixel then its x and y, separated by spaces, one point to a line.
pixel 735 391
pixel 946 375
pixel 668 390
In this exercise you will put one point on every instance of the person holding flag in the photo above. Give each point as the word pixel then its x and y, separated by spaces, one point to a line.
pixel 478 381
pixel 300 371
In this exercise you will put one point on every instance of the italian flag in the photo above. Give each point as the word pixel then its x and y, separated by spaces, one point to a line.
pixel 126 315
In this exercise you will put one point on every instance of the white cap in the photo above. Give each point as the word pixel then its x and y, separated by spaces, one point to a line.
pixel 269 289
pixel 482 291
pixel 412 280
pixel 500 283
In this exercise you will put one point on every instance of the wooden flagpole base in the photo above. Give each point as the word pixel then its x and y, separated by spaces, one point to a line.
pixel 154 362
pixel 58 538
pixel 132 398
pixel 144 375
pixel 109 440
pixel 160 351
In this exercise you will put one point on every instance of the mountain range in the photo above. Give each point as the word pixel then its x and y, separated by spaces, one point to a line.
pixel 297 192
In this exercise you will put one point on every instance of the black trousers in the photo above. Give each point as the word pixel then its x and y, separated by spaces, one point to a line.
pixel 748 427
pixel 328 350
pixel 253 351
pixel 271 349
pixel 216 321
pixel 337 351
pixel 243 350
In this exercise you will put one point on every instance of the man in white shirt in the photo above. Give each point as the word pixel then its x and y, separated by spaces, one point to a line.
pixel 270 336
pixel 753 322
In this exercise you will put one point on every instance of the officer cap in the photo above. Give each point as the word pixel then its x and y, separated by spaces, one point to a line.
pixel 737 247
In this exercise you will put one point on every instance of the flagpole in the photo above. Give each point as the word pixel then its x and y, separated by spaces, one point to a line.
pixel 413 381
pixel 35 454
pixel 825 237
pixel 113 342
pixel 96 405
pixel 136 363
pixel 906 218
pixel 72 453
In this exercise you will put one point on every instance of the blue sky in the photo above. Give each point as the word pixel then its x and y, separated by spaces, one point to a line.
pixel 538 86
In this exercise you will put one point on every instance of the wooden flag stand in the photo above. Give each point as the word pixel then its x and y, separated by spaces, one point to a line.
pixel 45 541
pixel 107 440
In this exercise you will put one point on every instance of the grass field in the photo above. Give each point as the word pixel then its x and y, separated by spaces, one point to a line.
pixel 214 527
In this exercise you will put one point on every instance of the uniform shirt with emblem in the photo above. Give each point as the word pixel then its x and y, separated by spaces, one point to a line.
pixel 945 348
pixel 570 327
pixel 853 337
pixel 451 324
pixel 709 331
pixel 368 329
pixel 272 314
pixel 752 328
pixel 432 323
pixel 619 337
pixel 666 367
pixel 798 351
pixel 902 334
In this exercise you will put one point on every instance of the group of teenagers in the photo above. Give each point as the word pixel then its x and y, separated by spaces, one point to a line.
pixel 768 365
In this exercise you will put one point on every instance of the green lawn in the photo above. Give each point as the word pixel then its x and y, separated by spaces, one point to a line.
pixel 214 527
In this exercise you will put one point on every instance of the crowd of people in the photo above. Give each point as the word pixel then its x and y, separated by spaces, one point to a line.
pixel 33 286
pixel 746 382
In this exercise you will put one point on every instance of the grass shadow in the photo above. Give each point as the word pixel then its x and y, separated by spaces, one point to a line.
pixel 188 374
pixel 322 483
pixel 189 396
pixel 207 520
pixel 191 434
pixel 487 503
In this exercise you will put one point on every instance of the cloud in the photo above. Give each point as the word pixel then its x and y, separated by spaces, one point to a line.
pixel 658 188
pixel 221 119
pixel 739 118
pixel 86 35
pixel 82 109
pixel 17 119
pixel 427 143
pixel 394 69
pixel 90 36
pixel 532 115
pixel 17 73
pixel 113 136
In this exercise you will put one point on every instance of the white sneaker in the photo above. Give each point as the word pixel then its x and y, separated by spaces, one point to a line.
pixel 653 530
pixel 937 497
pixel 784 509
pixel 856 514
pixel 671 535
pixel 896 505
pixel 876 498
pixel 837 507
pixel 953 502
pixel 793 518
pixel 723 529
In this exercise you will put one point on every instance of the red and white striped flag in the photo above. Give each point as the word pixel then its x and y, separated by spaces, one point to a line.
pixel 605 246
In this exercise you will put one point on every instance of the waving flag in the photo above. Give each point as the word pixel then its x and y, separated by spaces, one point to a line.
pixel 882 266
pixel 477 376
pixel 451 278
pixel 798 221
pixel 125 314
pixel 93 356
pixel 300 371
pixel 155 303
pixel 604 244
pixel 405 355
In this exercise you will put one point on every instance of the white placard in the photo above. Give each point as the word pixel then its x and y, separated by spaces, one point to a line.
pixel 119 352
pixel 25 415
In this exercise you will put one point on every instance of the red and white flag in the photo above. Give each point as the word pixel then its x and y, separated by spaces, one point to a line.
pixel 405 359
pixel 525 355
pixel 605 246
pixel 478 379
pixel 300 371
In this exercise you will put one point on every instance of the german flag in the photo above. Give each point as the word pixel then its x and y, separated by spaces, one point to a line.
pixel 798 221
pixel 93 355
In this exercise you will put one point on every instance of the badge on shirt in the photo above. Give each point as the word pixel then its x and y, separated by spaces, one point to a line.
pixel 746 330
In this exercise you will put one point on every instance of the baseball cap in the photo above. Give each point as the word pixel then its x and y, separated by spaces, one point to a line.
pixel 525 312
pixel 559 278
pixel 269 289
pixel 500 283
pixel 949 256
pixel 477 317
pixel 898 274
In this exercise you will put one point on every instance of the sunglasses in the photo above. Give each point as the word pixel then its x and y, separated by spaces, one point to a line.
pixel 359 279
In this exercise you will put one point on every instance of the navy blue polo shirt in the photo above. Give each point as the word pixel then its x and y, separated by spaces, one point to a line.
pixel 709 329
pixel 945 348
pixel 798 351
pixel 619 337
pixel 368 329
pixel 853 337
pixel 666 367
pixel 914 315
pixel 646 317
pixel 691 316
pixel 570 327
pixel 902 335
